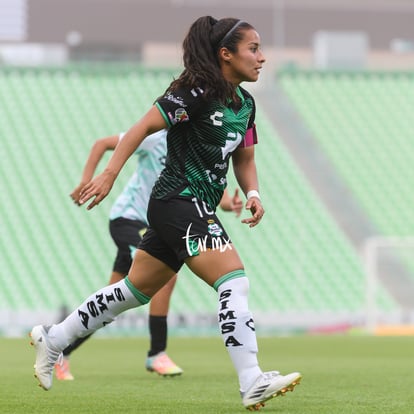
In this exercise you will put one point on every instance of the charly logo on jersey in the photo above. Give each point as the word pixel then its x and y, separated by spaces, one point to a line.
pixel 216 118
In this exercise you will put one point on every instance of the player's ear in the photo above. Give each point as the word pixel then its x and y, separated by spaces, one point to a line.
pixel 225 54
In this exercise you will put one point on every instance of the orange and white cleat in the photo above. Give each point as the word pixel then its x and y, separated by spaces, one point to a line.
pixel 62 370
pixel 163 365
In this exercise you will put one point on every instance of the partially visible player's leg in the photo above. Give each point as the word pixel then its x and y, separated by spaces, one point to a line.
pixel 158 361
pixel 62 368
pixel 158 312
pixel 195 234
pixel 101 308
pixel 224 271
pixel 126 235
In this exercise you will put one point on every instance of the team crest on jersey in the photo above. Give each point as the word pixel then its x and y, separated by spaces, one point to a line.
pixel 214 229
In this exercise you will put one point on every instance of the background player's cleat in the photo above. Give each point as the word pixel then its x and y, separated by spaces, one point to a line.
pixel 62 370
pixel 267 386
pixel 46 356
pixel 162 365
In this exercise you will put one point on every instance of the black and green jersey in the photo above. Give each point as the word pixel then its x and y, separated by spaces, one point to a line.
pixel 201 138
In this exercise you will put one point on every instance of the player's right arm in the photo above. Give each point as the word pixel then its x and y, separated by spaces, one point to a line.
pixel 95 155
pixel 231 203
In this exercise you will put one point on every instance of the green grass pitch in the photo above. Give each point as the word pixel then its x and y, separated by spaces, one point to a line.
pixel 341 374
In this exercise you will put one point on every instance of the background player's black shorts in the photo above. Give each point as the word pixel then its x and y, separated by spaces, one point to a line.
pixel 126 234
pixel 181 227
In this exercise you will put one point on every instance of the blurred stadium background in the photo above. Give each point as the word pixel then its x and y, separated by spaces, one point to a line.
pixel 335 252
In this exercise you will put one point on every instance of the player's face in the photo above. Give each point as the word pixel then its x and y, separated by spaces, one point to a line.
pixel 246 63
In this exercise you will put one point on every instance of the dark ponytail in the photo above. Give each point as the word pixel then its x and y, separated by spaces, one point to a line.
pixel 200 56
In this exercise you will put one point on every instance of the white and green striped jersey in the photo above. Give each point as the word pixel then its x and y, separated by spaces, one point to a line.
pixel 132 203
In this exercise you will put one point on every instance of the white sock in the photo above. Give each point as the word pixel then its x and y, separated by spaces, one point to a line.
pixel 237 329
pixel 98 310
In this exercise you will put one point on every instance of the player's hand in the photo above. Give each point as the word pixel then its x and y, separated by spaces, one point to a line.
pixel 75 194
pixel 255 206
pixel 236 203
pixel 99 188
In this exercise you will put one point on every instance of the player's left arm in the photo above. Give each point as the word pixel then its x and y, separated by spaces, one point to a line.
pixel 244 166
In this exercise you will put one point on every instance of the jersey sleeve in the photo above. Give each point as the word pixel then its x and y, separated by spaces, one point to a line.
pixel 180 105
pixel 251 134
pixel 250 138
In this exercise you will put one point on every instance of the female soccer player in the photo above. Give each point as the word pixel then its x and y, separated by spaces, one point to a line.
pixel 210 119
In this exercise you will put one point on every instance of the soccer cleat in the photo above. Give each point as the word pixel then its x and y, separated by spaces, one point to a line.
pixel 62 370
pixel 267 386
pixel 46 357
pixel 162 365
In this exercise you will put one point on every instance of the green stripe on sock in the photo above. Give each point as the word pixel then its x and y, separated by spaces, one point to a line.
pixel 232 275
pixel 139 296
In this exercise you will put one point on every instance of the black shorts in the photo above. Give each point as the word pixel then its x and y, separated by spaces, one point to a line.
pixel 182 227
pixel 126 234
